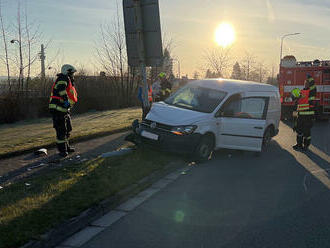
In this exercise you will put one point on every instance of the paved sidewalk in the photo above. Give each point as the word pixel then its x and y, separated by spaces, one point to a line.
pixel 24 165
pixel 105 222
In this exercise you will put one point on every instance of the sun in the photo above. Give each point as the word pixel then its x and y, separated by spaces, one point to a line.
pixel 224 34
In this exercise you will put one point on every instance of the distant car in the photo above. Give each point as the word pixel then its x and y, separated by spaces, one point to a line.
pixel 210 114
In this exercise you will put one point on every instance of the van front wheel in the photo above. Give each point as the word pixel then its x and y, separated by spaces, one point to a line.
pixel 205 148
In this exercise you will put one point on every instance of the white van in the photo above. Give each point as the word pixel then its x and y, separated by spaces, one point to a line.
pixel 210 114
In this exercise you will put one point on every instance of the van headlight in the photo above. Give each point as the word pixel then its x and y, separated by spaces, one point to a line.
pixel 183 130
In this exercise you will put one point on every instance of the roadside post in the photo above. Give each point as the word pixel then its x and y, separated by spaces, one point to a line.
pixel 143 37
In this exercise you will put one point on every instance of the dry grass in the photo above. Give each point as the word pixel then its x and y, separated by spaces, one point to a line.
pixel 39 132
pixel 51 198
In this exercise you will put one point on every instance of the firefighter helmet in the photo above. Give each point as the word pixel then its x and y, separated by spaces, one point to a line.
pixel 68 69
pixel 162 75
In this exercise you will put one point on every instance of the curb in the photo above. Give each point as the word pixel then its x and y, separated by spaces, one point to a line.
pixel 70 227
pixel 73 140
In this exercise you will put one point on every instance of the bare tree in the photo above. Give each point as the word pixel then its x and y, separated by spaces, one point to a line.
pixel 32 38
pixel 19 41
pixel 263 72
pixel 248 65
pixel 4 39
pixel 218 60
pixel 252 69
pixel 27 37
pixel 112 57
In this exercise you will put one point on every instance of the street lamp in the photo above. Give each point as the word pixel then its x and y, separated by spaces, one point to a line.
pixel 282 38
pixel 21 61
pixel 179 67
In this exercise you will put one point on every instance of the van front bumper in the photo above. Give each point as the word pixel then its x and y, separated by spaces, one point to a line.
pixel 167 141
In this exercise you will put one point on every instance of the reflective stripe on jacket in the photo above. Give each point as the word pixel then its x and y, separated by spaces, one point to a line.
pixel 62 90
pixel 303 107
pixel 150 94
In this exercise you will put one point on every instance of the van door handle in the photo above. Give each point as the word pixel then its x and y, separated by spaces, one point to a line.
pixel 258 127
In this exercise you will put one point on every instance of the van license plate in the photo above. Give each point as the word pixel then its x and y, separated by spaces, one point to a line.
pixel 149 135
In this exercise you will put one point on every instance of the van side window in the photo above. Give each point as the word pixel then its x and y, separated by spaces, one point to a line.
pixel 248 108
pixel 226 105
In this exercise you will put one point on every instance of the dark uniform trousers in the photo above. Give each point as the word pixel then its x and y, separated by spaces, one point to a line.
pixel 63 127
pixel 304 126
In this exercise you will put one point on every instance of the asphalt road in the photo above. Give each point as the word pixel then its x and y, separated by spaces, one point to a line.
pixel 280 199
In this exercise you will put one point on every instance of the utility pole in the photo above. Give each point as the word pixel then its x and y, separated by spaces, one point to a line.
pixel 42 58
pixel 141 50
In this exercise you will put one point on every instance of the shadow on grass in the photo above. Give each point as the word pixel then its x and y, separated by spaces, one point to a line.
pixel 27 212
pixel 51 160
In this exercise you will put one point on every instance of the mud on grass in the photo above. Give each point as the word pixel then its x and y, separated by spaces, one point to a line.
pixel 29 208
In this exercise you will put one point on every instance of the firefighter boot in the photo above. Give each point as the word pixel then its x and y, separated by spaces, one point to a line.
pixel 307 142
pixel 69 148
pixel 298 146
pixel 62 149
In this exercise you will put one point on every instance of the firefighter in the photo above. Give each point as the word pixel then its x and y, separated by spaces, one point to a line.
pixel 312 94
pixel 305 113
pixel 63 97
pixel 166 87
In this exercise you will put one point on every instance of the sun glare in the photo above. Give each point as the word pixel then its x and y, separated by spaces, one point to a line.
pixel 224 34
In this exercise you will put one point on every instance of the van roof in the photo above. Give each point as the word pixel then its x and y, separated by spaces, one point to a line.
pixel 231 85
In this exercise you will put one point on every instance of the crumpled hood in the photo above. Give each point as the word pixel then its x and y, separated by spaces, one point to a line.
pixel 174 116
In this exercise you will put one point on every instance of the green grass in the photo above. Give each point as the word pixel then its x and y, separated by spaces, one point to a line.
pixel 29 211
pixel 40 132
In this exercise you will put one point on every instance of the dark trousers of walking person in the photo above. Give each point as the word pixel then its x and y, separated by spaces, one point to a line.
pixel 63 127
pixel 304 126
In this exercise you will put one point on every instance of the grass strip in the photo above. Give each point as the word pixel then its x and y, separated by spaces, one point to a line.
pixel 30 134
pixel 30 208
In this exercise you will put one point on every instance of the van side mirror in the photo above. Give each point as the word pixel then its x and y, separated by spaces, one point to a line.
pixel 219 114
pixel 225 113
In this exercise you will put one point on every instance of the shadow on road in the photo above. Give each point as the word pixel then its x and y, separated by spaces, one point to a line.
pixel 234 200
pixel 320 135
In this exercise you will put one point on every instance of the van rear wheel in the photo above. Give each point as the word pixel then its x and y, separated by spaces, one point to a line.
pixel 204 149
pixel 267 138
pixel 265 141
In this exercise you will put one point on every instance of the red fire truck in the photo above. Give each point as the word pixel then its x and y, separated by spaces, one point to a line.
pixel 293 75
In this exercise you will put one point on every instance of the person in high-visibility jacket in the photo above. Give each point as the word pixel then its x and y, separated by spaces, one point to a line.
pixel 166 87
pixel 63 97
pixel 305 103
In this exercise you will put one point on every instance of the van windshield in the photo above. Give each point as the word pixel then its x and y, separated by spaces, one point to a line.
pixel 196 98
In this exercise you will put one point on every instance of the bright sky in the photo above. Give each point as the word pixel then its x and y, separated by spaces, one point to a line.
pixel 73 25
